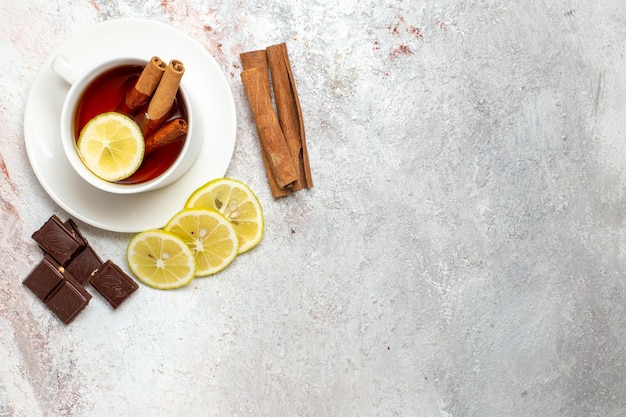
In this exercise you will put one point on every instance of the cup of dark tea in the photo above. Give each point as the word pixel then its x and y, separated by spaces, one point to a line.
pixel 105 88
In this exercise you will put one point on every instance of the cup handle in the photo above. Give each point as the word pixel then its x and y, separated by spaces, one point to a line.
pixel 62 67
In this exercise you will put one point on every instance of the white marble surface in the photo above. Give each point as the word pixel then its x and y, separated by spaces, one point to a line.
pixel 462 252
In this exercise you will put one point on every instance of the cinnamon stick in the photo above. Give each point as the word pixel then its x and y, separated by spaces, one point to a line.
pixel 139 94
pixel 277 158
pixel 170 132
pixel 254 59
pixel 258 59
pixel 162 100
pixel 289 112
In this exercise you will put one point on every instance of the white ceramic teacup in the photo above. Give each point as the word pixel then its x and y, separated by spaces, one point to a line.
pixel 79 79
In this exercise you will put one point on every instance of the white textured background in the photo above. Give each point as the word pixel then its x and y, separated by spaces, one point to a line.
pixel 462 252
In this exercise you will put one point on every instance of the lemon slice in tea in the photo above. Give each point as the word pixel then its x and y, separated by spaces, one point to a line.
pixel 209 235
pixel 111 146
pixel 160 259
pixel 238 203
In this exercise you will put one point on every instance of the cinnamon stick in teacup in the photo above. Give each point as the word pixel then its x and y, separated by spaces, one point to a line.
pixel 162 100
pixel 170 132
pixel 139 94
pixel 281 172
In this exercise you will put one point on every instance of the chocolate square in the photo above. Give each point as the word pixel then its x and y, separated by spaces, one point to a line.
pixel 44 279
pixel 113 283
pixel 70 278
pixel 68 301
pixel 84 265
pixel 72 227
pixel 56 240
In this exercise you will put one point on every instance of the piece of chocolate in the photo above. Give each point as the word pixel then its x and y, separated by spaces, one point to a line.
pixel 72 227
pixel 70 278
pixel 84 265
pixel 68 300
pixel 113 283
pixel 86 261
pixel 44 279
pixel 57 241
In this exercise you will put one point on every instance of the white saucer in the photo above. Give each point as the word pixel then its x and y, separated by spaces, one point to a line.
pixel 215 120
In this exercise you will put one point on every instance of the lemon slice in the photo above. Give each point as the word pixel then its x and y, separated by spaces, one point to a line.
pixel 238 203
pixel 160 259
pixel 111 146
pixel 209 235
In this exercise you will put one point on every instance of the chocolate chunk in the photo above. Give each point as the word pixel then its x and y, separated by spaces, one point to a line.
pixel 84 265
pixel 113 283
pixel 44 279
pixel 57 241
pixel 72 227
pixel 70 278
pixel 69 300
